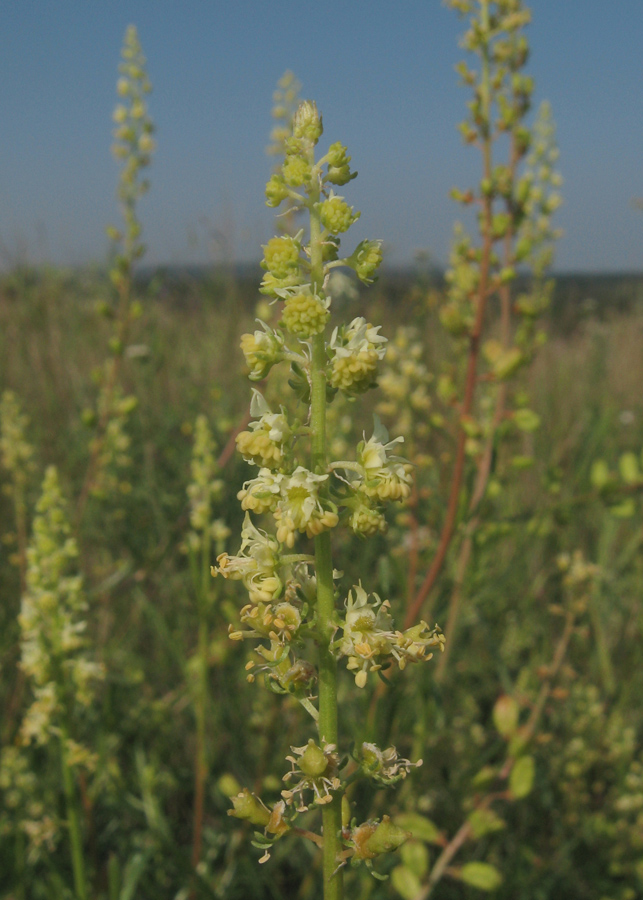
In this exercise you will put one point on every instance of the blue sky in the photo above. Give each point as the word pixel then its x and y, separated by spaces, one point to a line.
pixel 382 74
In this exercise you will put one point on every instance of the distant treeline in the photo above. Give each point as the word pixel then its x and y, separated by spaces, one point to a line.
pixel 577 296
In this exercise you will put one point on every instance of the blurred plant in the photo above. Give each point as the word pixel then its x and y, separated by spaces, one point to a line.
pixel 17 459
pixel 203 491
pixel 290 607
pixel 286 99
pixel 54 654
pixel 509 779
pixel 474 408
pixel 133 147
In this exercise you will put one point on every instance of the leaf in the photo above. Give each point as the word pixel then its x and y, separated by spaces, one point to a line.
pixel 507 363
pixel 484 777
pixel 526 419
pixel 522 462
pixel 421 828
pixel 505 715
pixel 415 857
pixel 629 468
pixel 600 474
pixel 624 510
pixel 481 875
pixel 522 775
pixel 134 869
pixel 485 821
pixel 113 877
pixel 405 882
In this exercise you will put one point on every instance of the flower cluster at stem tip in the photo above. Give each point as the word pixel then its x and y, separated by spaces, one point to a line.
pixel 306 495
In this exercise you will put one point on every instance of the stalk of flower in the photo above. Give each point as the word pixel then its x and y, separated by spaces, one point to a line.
pixel 54 656
pixel 17 459
pixel 308 498
pixel 17 455
pixel 515 208
pixel 133 147
pixel 203 491
pixel 286 99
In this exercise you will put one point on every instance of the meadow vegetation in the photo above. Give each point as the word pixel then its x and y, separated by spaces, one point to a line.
pixel 136 761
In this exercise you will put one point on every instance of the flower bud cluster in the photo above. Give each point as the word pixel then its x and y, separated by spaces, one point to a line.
pixel 376 478
pixel 205 487
pixel 405 382
pixel 305 314
pixel 285 100
pixel 384 766
pixel 113 444
pixel 358 349
pixel 291 610
pixel 16 455
pixel 15 451
pixel 370 642
pixel 267 441
pixel 134 146
pixel 262 350
pixel 26 804
pixel 51 623
pixel 314 770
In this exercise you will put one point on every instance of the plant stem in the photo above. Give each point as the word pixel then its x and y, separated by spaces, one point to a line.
pixel 471 380
pixel 201 698
pixel 328 730
pixel 73 823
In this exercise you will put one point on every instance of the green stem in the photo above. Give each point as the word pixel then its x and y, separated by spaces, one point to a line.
pixel 201 699
pixel 73 823
pixel 328 730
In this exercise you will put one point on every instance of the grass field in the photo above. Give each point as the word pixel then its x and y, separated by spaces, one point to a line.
pixel 577 834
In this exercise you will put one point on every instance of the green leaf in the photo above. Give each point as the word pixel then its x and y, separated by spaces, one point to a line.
pixel 522 462
pixel 485 821
pixel 484 777
pixel 421 828
pixel 415 857
pixel 505 715
pixel 507 363
pixel 629 468
pixel 522 775
pixel 481 875
pixel 405 882
pixel 526 419
pixel 624 510
pixel 113 877
pixel 134 869
pixel 600 474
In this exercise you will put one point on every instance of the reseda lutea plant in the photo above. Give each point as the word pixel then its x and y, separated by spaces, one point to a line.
pixel 294 595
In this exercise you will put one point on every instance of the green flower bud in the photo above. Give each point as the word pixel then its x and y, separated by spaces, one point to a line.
pixel 338 168
pixel 340 175
pixel 365 260
pixel 367 522
pixel 505 715
pixel 336 215
pixel 276 191
pixel 386 837
pixel 305 315
pixel 313 761
pixel 453 320
pixel 296 171
pixel 281 256
pixel 337 155
pixel 250 808
pixel 307 123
